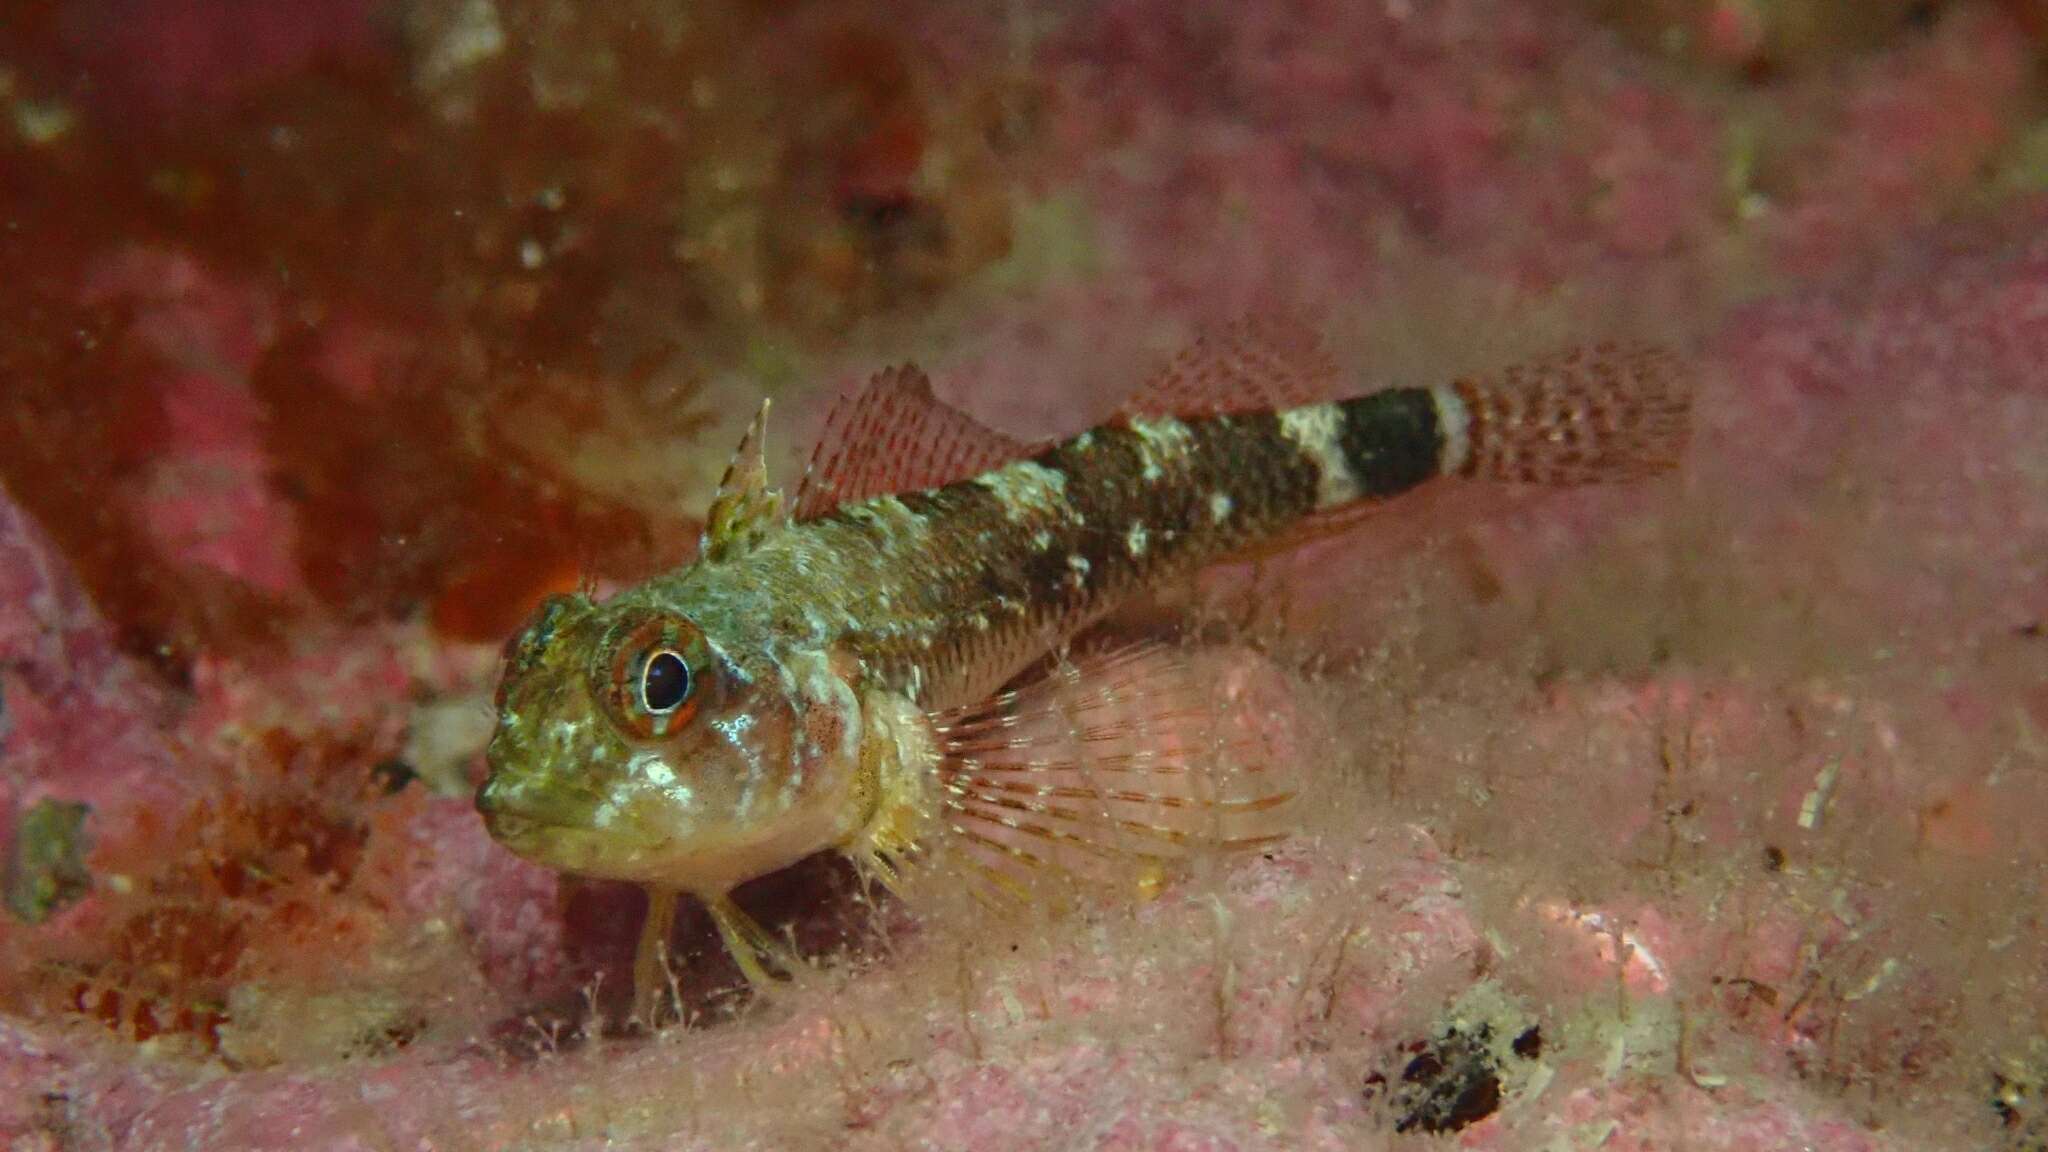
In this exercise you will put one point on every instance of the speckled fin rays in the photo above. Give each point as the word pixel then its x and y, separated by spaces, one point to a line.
pixel 891 436
pixel 895 436
pixel 1112 771
pixel 745 507
pixel 1258 362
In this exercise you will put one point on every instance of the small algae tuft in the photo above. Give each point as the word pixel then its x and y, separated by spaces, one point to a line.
pixel 46 872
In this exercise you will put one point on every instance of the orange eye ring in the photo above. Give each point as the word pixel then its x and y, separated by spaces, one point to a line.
pixel 651 683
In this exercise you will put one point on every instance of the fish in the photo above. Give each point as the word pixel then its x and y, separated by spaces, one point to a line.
pixel 885 665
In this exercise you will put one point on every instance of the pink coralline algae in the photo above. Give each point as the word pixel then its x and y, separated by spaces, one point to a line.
pixel 207 501
pixel 1701 815
pixel 81 723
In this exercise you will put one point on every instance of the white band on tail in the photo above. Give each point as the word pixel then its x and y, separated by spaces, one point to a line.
pixel 1454 429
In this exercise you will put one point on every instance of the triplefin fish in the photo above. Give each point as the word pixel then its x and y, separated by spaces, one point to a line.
pixel 869 667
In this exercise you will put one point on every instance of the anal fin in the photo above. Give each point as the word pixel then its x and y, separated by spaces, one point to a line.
pixel 1118 770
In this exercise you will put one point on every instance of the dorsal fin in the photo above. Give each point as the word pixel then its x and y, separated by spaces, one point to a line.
pixel 893 436
pixel 745 506
pixel 1255 363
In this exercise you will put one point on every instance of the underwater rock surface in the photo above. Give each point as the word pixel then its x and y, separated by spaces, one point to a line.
pixel 1725 788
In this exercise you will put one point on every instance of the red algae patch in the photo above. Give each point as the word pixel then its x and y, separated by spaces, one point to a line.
pixel 350 312
pixel 281 875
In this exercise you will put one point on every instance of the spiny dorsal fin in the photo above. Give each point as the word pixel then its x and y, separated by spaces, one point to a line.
pixel 1117 769
pixel 894 436
pixel 1258 362
pixel 745 507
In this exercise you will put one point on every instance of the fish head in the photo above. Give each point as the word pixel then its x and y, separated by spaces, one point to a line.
pixel 631 745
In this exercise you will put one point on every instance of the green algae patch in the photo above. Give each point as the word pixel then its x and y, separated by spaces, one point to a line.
pixel 46 872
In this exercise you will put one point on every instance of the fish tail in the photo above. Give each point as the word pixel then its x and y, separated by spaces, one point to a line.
pixel 1586 417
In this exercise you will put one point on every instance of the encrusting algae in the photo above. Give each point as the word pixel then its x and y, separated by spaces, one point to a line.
pixel 878 667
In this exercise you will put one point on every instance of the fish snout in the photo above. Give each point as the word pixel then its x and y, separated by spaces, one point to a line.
pixel 511 804
pixel 506 818
pixel 493 797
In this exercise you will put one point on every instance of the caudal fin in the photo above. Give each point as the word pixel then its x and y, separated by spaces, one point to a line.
pixel 1590 416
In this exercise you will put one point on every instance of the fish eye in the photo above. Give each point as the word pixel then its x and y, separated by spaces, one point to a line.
pixel 648 677
pixel 664 682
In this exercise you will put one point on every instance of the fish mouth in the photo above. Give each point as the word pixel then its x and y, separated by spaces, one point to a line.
pixel 518 828
pixel 564 845
pixel 537 840
pixel 511 828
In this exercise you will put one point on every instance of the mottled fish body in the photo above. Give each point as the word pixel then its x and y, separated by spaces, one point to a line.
pixel 830 677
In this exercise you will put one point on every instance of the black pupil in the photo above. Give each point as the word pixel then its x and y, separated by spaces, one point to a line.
pixel 665 683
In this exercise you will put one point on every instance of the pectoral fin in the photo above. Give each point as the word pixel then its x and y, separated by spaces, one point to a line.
pixel 1117 769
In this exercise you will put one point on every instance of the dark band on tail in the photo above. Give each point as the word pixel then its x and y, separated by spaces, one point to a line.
pixel 1390 441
